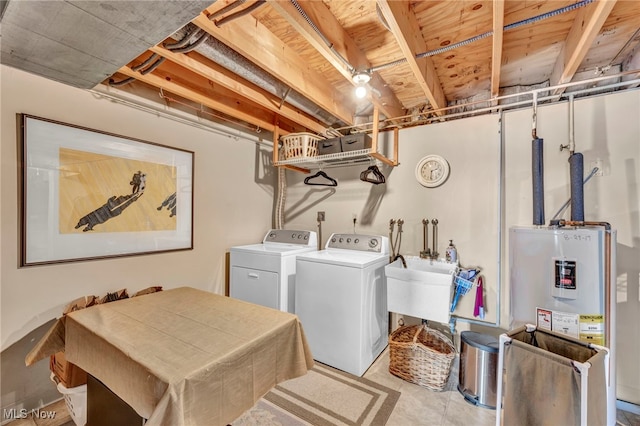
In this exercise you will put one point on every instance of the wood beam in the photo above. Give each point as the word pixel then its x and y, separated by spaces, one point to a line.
pixel 341 44
pixel 632 63
pixel 405 28
pixel 496 53
pixel 256 43
pixel 583 32
pixel 226 78
pixel 198 97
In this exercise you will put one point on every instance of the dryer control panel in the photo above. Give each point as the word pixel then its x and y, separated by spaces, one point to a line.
pixel 369 243
pixel 283 236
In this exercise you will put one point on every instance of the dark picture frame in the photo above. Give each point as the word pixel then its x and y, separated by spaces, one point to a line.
pixel 87 194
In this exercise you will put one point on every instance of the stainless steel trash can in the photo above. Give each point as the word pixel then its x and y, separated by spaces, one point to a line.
pixel 477 375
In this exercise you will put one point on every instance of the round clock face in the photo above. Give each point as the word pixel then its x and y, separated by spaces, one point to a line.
pixel 432 171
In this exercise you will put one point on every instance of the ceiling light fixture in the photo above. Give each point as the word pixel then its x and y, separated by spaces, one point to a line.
pixel 361 78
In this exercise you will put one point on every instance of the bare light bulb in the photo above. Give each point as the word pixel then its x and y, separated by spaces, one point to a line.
pixel 361 91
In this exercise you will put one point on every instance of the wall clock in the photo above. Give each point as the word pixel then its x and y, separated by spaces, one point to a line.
pixel 432 171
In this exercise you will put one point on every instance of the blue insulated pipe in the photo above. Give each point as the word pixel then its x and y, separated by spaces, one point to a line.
pixel 537 174
pixel 576 171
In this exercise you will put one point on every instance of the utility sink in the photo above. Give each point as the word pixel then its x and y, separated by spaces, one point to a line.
pixel 423 289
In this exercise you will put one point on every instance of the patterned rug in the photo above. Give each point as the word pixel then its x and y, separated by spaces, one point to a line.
pixel 323 397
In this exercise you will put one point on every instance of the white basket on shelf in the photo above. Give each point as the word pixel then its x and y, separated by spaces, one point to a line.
pixel 300 145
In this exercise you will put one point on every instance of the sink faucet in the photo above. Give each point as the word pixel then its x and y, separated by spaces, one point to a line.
pixel 426 252
pixel 434 253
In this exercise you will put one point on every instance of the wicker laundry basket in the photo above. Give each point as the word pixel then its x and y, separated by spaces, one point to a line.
pixel 421 355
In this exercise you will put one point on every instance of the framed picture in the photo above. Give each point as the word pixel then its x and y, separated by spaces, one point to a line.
pixel 87 194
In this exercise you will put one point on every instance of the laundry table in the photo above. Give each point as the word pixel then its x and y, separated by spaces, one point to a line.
pixel 186 356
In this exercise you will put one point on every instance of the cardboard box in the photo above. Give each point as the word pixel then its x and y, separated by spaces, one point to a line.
pixel 68 374
pixel 52 343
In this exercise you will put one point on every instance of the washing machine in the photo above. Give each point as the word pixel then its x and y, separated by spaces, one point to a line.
pixel 264 273
pixel 341 300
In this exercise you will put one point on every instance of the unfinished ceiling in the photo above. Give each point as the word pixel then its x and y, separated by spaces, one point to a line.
pixel 286 66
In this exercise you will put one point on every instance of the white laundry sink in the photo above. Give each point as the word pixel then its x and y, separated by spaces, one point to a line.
pixel 423 289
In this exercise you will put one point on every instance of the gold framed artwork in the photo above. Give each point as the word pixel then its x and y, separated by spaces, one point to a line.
pixel 87 194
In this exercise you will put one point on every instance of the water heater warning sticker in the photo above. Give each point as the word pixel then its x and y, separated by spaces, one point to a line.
pixel 565 271
pixel 592 329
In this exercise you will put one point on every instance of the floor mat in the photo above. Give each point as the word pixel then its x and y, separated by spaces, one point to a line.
pixel 324 396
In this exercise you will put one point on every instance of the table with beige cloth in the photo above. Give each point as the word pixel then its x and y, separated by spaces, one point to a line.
pixel 186 356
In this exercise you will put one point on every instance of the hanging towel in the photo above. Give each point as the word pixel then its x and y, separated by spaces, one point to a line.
pixel 478 309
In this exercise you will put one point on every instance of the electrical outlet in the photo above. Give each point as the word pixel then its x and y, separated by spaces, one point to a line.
pixel 320 217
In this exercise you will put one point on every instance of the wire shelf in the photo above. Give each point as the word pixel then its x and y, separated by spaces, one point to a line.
pixel 328 160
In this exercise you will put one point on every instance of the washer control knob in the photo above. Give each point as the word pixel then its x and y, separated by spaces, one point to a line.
pixel 348 240
pixel 299 236
pixel 272 235
pixel 356 241
pixel 333 240
pixel 341 239
pixel 306 237
pixel 373 243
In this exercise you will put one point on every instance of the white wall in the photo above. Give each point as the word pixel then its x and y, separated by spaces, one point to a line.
pixel 467 205
pixel 233 200
pixel 607 128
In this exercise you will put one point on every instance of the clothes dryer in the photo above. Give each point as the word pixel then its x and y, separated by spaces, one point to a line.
pixel 264 273
pixel 341 300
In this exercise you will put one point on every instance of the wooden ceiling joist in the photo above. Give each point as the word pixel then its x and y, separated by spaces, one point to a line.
pixel 154 79
pixel 261 47
pixel 404 26
pixel 340 42
pixel 496 55
pixel 583 32
pixel 222 76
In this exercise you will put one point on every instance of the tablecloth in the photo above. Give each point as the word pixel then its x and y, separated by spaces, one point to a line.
pixel 186 356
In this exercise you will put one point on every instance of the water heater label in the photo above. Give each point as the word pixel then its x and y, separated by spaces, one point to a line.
pixel 592 329
pixel 565 323
pixel 565 271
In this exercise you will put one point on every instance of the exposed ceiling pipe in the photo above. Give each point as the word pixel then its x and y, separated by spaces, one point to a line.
pixel 152 68
pixel 313 26
pixel 484 35
pixel 185 40
pixel 236 15
pixel 537 167
pixel 184 49
pixel 146 63
pixel 180 46
pixel 114 83
pixel 572 140
pixel 226 9
pixel 576 170
pixel 226 57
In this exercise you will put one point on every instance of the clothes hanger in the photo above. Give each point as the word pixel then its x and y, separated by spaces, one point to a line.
pixel 372 175
pixel 332 181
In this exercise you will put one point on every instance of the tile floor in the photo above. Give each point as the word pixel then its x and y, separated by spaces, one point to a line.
pixel 420 406
pixel 416 406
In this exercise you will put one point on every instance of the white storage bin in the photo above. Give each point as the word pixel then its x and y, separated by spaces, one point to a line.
pixel 76 401
pixel 300 145
pixel 422 289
